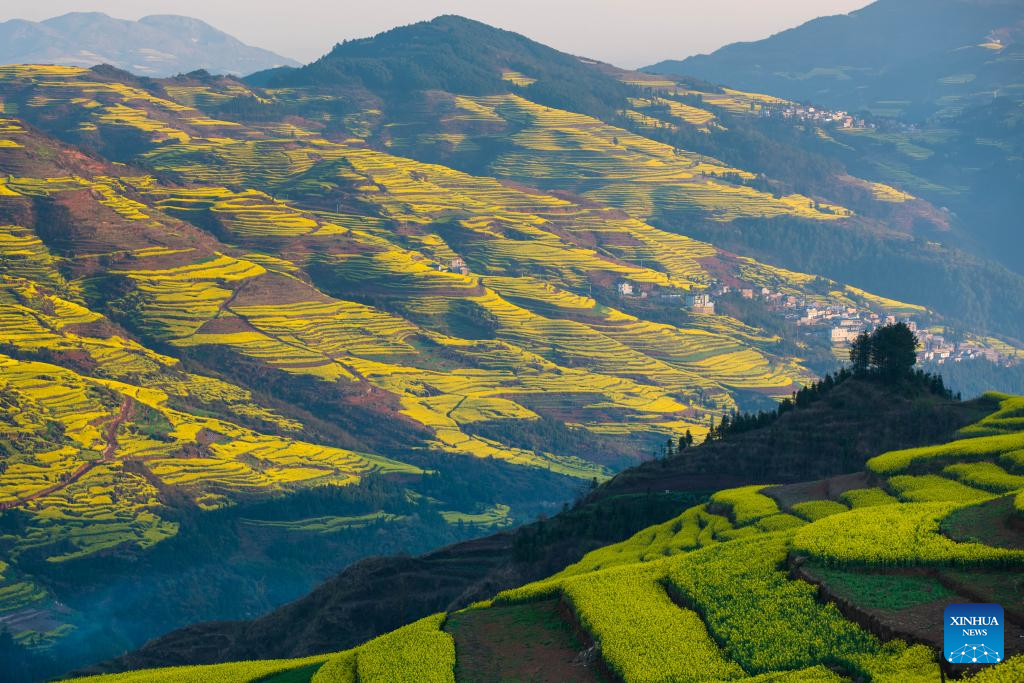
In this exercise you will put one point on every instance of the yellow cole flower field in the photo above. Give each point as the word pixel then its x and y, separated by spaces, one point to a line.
pixel 168 337
pixel 710 597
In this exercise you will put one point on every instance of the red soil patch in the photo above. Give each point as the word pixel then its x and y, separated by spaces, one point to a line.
pixel 530 642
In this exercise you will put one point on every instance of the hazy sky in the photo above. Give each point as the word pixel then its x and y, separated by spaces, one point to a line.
pixel 628 33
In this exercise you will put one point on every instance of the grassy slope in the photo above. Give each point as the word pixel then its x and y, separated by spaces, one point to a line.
pixel 714 581
pixel 373 596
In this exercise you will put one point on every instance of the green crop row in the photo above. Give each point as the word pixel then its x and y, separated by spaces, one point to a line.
pixel 418 653
pixel 813 510
pixel 762 619
pixel 986 475
pixel 934 488
pixel 694 528
pixel 966 450
pixel 643 635
pixel 862 498
pixel 746 504
pixel 235 672
pixel 1001 435
pixel 1010 671
pixel 340 668
pixel 895 535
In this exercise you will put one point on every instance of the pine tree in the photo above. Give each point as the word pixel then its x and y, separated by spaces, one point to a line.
pixel 860 353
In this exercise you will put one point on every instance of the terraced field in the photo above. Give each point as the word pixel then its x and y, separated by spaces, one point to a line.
pixel 555 148
pixel 741 588
pixel 148 301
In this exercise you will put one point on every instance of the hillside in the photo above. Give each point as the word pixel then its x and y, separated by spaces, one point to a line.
pixel 457 55
pixel 726 167
pixel 156 45
pixel 940 86
pixel 860 418
pixel 911 57
pixel 214 293
pixel 836 580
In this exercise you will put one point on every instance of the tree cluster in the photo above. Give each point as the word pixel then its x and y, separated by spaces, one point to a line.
pixel 888 354
pixel 890 351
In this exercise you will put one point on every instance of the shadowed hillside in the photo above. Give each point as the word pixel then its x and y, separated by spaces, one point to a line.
pixel 940 84
pixel 913 56
pixel 831 435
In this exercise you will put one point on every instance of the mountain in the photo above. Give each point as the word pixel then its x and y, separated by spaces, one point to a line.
pixel 941 89
pixel 907 57
pixel 459 55
pixel 838 579
pixel 257 330
pixel 156 45
pixel 948 262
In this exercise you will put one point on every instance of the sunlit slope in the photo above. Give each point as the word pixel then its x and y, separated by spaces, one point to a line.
pixel 553 148
pixel 494 228
pixel 110 103
pixel 727 590
pixel 191 297
pixel 97 439
pixel 332 262
pixel 391 229
pixel 327 234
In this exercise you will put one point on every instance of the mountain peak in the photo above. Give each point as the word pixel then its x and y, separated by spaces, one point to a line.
pixel 75 16
pixel 156 45
pixel 459 55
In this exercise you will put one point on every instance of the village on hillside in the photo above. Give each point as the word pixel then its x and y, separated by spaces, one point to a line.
pixel 838 323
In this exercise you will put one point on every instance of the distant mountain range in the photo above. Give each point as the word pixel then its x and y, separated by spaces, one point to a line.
pixel 944 80
pixel 894 57
pixel 157 45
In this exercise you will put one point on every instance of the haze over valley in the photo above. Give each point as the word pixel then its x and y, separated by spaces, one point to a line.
pixel 450 355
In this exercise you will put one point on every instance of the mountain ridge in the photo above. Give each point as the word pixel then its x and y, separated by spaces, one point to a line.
pixel 155 45
pixel 853 60
pixel 937 82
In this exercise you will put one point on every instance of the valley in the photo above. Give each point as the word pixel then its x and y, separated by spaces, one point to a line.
pixel 450 327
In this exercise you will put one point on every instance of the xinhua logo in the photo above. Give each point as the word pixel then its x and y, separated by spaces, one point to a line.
pixel 974 633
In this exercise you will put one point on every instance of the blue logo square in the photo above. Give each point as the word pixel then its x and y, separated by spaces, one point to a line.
pixel 973 633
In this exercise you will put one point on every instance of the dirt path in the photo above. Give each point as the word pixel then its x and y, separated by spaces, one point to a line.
pixel 528 642
pixel 127 406
pixel 108 455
